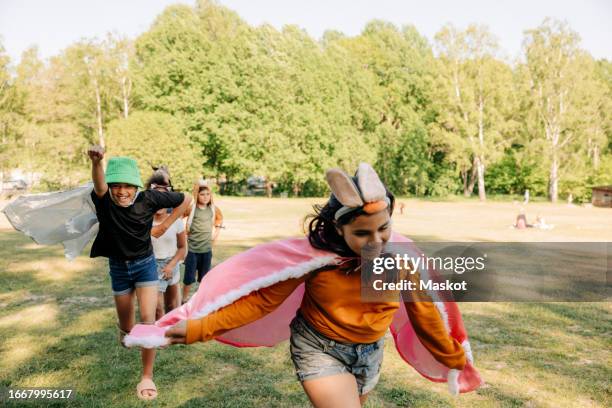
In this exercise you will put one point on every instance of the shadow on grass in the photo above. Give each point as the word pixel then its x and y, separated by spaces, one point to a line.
pixel 103 373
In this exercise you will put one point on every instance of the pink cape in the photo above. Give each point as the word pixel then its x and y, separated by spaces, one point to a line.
pixel 267 264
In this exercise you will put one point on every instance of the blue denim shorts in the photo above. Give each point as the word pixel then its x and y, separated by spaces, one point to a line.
pixel 128 275
pixel 316 356
pixel 176 274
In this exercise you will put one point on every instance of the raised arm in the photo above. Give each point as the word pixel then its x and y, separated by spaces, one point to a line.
pixel 159 230
pixel 242 312
pixel 194 195
pixel 96 154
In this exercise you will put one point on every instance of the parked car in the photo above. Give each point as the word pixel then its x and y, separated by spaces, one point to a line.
pixel 256 185
pixel 14 186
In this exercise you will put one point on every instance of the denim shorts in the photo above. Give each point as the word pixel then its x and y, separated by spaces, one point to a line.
pixel 176 274
pixel 316 356
pixel 196 262
pixel 127 275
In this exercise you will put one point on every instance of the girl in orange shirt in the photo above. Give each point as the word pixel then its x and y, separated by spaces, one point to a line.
pixel 336 339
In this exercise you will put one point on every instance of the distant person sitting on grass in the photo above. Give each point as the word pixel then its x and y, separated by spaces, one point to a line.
pixel 521 221
pixel 126 226
pixel 541 223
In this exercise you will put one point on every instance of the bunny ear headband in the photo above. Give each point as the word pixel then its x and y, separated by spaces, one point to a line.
pixel 369 193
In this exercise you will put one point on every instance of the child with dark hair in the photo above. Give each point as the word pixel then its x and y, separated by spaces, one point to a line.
pixel 125 215
pixel 204 222
pixel 169 249
pixel 336 339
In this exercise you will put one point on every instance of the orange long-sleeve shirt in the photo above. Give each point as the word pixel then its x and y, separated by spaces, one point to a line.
pixel 332 305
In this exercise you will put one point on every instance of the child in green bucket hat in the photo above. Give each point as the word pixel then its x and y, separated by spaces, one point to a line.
pixel 125 215
pixel 123 175
pixel 123 170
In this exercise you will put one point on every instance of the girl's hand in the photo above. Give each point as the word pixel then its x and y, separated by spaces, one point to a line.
pixel 404 273
pixel 177 334
pixel 167 272
pixel 96 153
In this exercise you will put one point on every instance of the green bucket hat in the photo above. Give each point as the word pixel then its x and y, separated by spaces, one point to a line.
pixel 123 170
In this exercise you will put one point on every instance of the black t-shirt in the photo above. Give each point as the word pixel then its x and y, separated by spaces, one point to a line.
pixel 125 232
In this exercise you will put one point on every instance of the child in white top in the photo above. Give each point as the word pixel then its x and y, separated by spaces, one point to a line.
pixel 169 249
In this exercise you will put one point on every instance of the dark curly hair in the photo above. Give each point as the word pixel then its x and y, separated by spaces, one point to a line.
pixel 160 177
pixel 321 226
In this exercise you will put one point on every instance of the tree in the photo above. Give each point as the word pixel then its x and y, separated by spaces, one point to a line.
pixel 121 51
pixel 255 101
pixel 557 76
pixel 11 117
pixel 476 101
pixel 599 116
pixel 398 107
pixel 102 68
pixel 153 139
pixel 67 104
pixel 186 64
pixel 279 104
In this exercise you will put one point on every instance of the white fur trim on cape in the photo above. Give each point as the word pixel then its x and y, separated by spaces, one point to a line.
pixel 230 297
pixel 424 274
pixel 452 380
pixel 145 342
pixel 290 272
pixel 467 348
pixel 443 314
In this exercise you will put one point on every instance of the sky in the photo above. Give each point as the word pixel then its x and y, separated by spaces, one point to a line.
pixel 53 25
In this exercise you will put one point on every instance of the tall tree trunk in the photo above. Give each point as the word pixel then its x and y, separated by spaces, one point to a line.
pixel 481 184
pixel 464 178
pixel 472 181
pixel 553 179
pixel 480 157
pixel 99 113
pixel 126 87
pixel 101 140
pixel 596 157
pixel 553 183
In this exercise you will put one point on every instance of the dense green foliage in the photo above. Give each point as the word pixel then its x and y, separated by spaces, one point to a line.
pixel 155 138
pixel 207 94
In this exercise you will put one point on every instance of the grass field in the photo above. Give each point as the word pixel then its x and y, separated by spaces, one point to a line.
pixel 57 323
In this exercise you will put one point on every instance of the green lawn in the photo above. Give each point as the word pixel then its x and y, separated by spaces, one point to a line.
pixel 57 329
